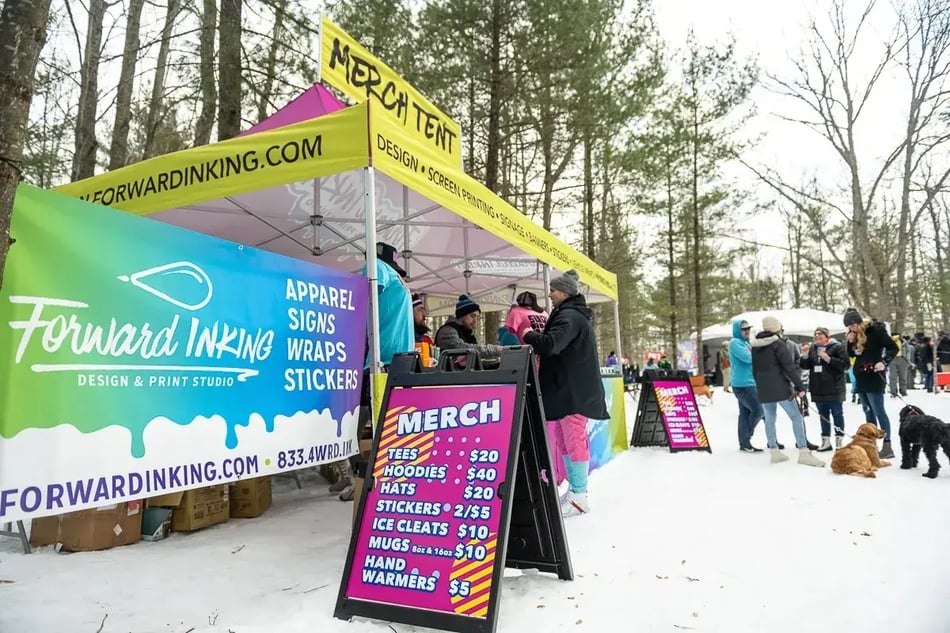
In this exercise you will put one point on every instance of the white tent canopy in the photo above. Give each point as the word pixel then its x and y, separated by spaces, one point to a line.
pixel 798 323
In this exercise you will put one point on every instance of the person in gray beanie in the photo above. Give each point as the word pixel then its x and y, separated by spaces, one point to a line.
pixel 571 387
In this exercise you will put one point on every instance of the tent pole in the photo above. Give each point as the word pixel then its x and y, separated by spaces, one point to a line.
pixel 617 332
pixel 468 271
pixel 406 251
pixel 546 275
pixel 369 208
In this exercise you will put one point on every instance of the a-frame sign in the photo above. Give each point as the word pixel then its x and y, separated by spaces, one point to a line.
pixel 667 414
pixel 454 494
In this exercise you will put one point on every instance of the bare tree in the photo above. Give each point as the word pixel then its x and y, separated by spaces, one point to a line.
pixel 826 84
pixel 86 145
pixel 22 32
pixel 209 90
pixel 156 104
pixel 229 70
pixel 119 152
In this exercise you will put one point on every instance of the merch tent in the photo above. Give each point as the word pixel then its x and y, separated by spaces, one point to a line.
pixel 322 189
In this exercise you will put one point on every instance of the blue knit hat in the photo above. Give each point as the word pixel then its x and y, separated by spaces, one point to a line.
pixel 465 306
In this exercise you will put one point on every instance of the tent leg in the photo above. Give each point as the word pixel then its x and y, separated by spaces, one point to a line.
pixel 617 338
pixel 369 208
pixel 546 275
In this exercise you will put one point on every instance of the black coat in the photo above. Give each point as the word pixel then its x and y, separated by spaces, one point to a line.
pixel 826 380
pixel 880 347
pixel 774 369
pixel 570 372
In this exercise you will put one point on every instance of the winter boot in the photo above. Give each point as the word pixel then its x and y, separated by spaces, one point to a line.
pixel 777 456
pixel 825 444
pixel 811 447
pixel 805 458
pixel 932 472
pixel 838 440
pixel 886 451
pixel 575 504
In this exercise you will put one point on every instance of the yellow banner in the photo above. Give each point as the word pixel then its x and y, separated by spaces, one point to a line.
pixel 327 145
pixel 402 156
pixel 354 71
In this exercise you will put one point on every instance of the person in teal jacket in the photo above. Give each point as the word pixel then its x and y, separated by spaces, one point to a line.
pixel 743 385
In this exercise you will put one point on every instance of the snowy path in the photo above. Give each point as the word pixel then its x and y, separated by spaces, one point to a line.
pixel 685 542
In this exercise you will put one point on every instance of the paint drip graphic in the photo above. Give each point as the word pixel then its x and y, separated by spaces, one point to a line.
pixel 175 271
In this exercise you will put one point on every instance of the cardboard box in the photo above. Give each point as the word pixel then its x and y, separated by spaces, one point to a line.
pixel 90 530
pixel 250 497
pixel 196 509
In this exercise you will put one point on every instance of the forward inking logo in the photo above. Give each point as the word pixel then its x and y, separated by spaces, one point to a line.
pixel 177 268
pixel 56 326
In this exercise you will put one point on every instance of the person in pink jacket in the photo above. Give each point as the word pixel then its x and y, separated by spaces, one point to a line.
pixel 525 314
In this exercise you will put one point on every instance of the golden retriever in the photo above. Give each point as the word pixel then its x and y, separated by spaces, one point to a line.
pixel 861 456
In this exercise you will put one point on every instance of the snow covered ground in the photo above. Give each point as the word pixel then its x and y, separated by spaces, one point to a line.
pixel 686 542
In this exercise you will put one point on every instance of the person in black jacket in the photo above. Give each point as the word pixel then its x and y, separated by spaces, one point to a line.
pixel 873 350
pixel 827 362
pixel 778 382
pixel 571 387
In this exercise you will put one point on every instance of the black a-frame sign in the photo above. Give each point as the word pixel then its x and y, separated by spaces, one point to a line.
pixel 454 494
pixel 667 413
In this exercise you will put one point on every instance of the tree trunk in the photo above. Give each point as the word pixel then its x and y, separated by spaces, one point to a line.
pixel 209 91
pixel 588 197
pixel 229 70
pixel 493 154
pixel 671 256
pixel 84 156
pixel 697 241
pixel 941 264
pixel 23 31
pixel 119 152
pixel 266 92
pixel 156 104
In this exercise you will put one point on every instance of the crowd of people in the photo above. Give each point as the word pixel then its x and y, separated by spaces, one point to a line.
pixel 563 341
pixel 767 371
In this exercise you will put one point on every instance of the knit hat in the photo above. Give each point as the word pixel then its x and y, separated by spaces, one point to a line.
pixel 417 301
pixel 528 300
pixel 852 317
pixel 566 283
pixel 771 324
pixel 465 306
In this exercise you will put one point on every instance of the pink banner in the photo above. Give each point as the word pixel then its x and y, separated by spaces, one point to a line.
pixel 429 530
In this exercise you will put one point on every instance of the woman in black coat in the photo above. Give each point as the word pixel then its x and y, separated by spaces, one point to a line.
pixel 827 363
pixel 873 349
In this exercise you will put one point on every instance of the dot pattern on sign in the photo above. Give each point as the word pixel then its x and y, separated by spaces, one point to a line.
pixel 447 507
pixel 478 440
pixel 461 453
pixel 451 439
pixel 458 481
pixel 459 467
pixel 464 439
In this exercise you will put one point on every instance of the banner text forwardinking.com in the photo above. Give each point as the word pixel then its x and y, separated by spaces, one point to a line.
pixel 219 168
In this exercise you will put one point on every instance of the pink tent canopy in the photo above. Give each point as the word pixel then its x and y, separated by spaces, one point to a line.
pixel 315 101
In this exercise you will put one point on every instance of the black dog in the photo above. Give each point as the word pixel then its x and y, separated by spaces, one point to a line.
pixel 921 431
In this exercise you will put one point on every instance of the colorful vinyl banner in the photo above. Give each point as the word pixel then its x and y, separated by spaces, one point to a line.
pixel 430 526
pixel 139 358
pixel 347 66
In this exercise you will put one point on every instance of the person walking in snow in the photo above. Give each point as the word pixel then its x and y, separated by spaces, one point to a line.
pixel 571 388
pixel 743 385
pixel 778 381
pixel 873 350
pixel 826 364
pixel 897 371
pixel 726 366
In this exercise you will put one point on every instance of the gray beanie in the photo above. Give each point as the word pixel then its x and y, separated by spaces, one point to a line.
pixel 566 283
